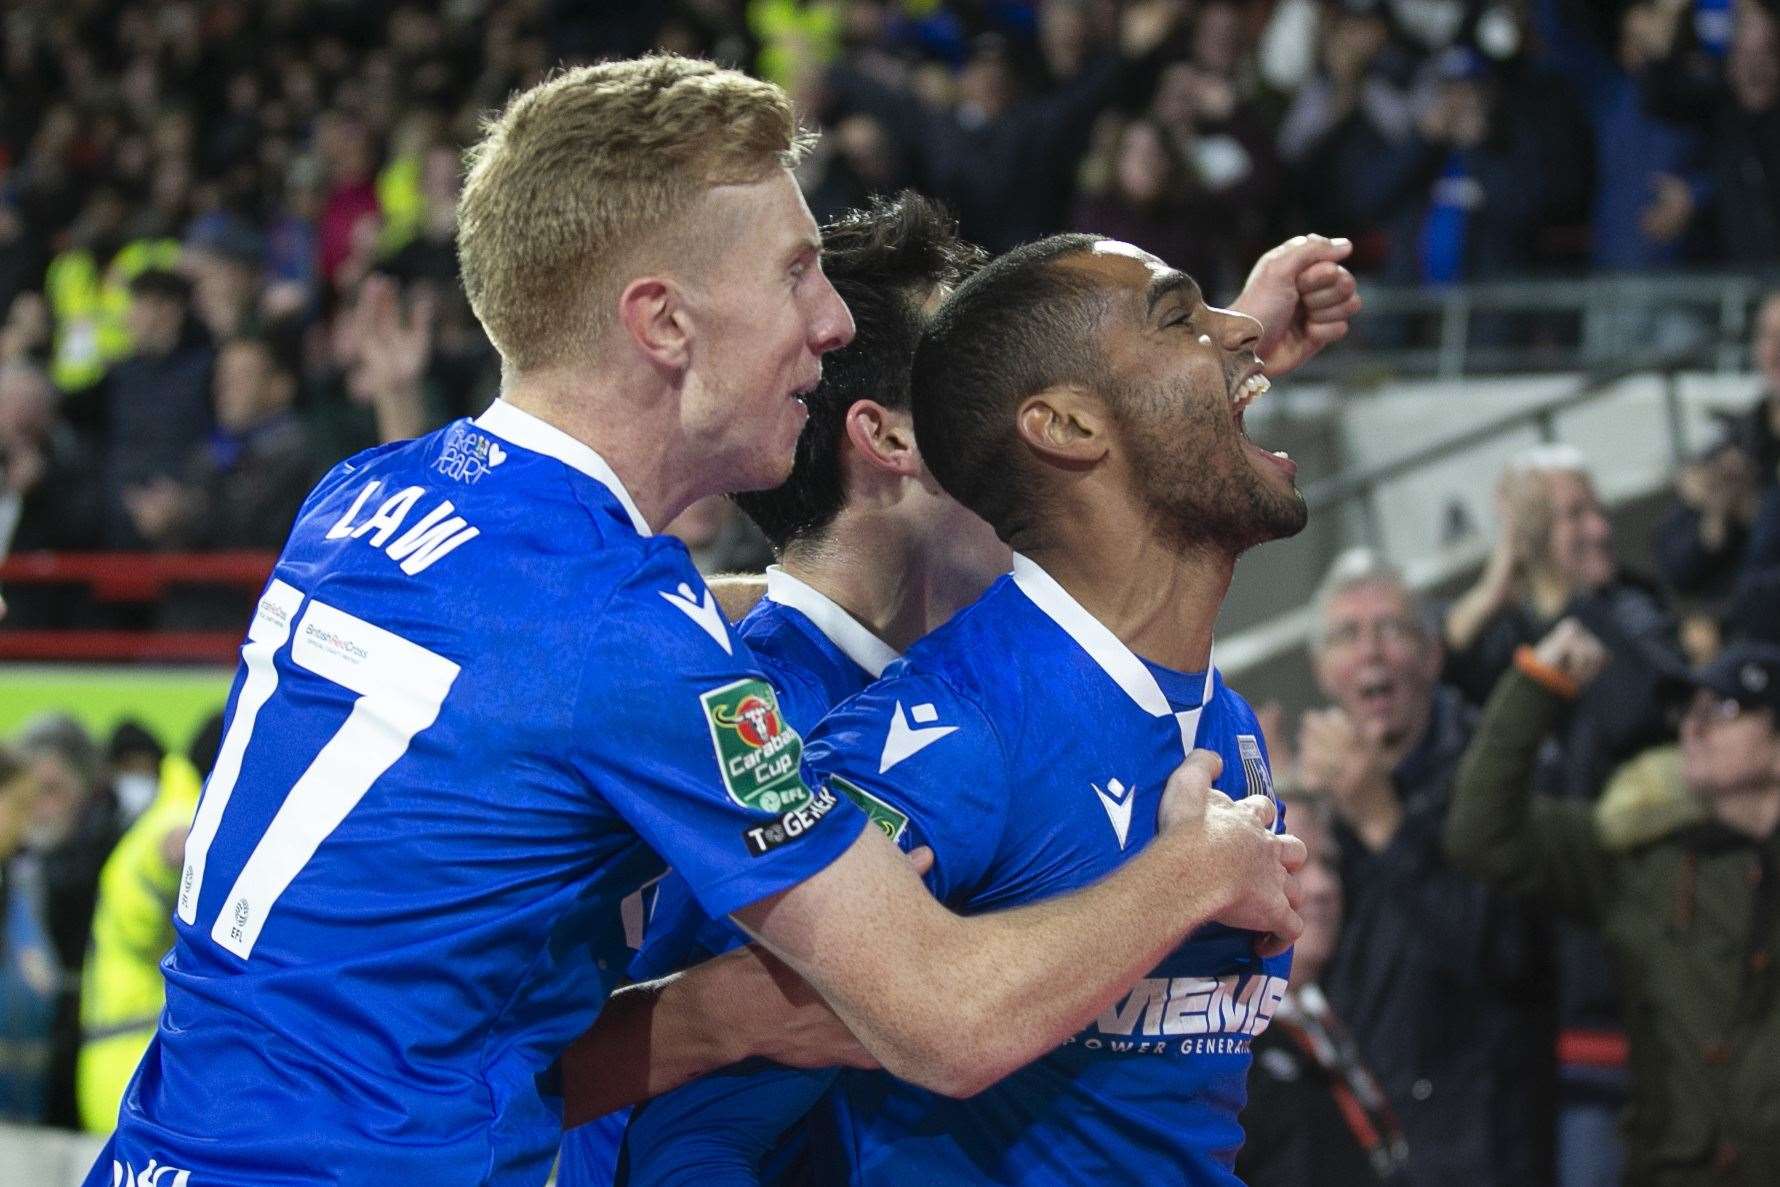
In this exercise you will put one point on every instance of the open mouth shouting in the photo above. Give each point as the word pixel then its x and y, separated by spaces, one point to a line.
pixel 801 394
pixel 1249 386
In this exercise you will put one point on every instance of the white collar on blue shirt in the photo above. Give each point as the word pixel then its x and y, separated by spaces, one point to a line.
pixel 519 427
pixel 841 628
pixel 1118 661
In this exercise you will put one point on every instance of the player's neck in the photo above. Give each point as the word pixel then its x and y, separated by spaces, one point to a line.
pixel 638 438
pixel 867 564
pixel 1159 597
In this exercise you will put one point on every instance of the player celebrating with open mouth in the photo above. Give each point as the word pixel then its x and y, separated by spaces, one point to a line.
pixel 481 705
pixel 1084 399
pixel 873 554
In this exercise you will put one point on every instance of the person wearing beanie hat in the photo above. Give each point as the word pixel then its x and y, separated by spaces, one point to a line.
pixel 1692 913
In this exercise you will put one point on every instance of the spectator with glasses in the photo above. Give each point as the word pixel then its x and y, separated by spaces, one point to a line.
pixel 1693 914
pixel 1434 974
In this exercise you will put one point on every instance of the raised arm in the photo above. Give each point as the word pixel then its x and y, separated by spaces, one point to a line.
pixel 1497 829
pixel 1496 585
pixel 908 976
pixel 1303 296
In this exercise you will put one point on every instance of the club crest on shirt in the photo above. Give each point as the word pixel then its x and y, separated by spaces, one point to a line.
pixel 1254 765
pixel 757 750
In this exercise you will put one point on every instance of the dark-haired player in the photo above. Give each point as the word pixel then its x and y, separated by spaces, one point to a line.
pixel 873 554
pixel 1084 399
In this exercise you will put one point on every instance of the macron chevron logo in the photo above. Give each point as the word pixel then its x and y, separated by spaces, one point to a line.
pixel 705 613
pixel 1116 799
pixel 906 741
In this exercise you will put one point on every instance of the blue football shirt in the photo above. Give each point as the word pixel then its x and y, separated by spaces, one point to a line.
pixel 727 1128
pixel 816 655
pixel 479 707
pixel 1029 747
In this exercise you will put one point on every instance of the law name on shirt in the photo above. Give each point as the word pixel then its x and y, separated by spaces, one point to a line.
pixel 435 535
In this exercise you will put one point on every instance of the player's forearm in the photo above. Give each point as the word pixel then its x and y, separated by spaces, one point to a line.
pixel 915 977
pixel 1027 979
pixel 651 1038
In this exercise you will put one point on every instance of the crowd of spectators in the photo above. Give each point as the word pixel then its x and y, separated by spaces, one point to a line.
pixel 226 253
pixel 226 262
pixel 1524 803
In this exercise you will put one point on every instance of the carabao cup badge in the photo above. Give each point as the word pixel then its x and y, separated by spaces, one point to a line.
pixel 757 750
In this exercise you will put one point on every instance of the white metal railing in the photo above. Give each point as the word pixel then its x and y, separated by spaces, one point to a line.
pixel 1507 326
pixel 1354 498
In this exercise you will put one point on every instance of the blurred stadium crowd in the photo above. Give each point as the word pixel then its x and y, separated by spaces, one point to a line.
pixel 226 262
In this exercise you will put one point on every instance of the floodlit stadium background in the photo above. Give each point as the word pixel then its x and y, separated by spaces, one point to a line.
pixel 226 263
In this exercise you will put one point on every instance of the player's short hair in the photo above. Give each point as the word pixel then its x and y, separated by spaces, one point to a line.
pixel 885 261
pixel 1021 324
pixel 579 173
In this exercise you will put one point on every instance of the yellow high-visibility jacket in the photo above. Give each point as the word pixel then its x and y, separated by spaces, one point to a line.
pixel 88 307
pixel 121 993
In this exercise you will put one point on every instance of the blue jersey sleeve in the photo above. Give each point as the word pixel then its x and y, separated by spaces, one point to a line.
pixel 728 1129
pixel 677 933
pixel 928 769
pixel 686 738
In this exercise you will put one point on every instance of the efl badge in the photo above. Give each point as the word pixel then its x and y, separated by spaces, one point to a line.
pixel 757 751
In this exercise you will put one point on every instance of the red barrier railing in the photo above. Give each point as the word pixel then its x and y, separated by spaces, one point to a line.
pixel 130 577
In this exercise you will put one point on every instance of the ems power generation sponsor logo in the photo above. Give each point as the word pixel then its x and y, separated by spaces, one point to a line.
pixel 1186 1016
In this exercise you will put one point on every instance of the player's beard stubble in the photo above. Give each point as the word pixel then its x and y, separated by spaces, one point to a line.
pixel 1195 472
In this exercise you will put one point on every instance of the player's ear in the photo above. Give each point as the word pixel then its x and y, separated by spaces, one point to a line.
pixel 1067 425
pixel 653 314
pixel 883 437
